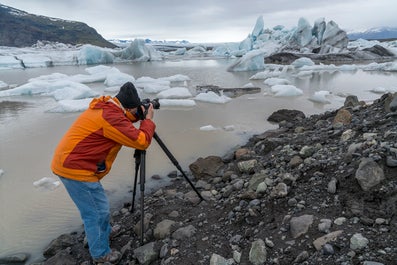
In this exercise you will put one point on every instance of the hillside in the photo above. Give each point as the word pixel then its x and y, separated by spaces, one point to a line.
pixel 380 33
pixel 21 29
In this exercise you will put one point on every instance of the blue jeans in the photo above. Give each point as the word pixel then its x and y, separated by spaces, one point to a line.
pixel 91 200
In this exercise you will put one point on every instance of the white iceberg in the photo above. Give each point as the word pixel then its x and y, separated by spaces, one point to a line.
pixel 47 183
pixel 212 97
pixel 320 97
pixel 68 105
pixel 286 91
pixel 208 128
pixel 176 93
pixel 177 103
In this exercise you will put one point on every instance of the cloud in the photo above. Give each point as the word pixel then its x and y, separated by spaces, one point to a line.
pixel 207 20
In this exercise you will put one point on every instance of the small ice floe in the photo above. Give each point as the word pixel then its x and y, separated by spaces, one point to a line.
pixel 248 85
pixel 177 102
pixel 1 172
pixel 208 128
pixel 176 93
pixel 67 105
pixel 320 97
pixel 46 184
pixel 212 97
pixel 229 128
pixel 272 81
pixel 379 90
pixel 286 91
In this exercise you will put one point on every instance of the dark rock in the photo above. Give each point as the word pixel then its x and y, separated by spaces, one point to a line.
pixel 15 258
pixel 206 167
pixel 62 242
pixel 286 115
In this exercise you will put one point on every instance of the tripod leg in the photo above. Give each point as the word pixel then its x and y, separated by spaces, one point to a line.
pixel 175 162
pixel 137 156
pixel 134 190
pixel 142 185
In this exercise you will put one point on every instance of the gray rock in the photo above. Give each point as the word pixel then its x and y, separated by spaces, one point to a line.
pixel 163 229
pixel 146 253
pixel 184 232
pixel 14 258
pixel 60 243
pixel 357 241
pixel 369 174
pixel 300 225
pixel 258 252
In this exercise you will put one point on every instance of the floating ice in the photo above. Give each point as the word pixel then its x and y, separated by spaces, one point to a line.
pixel 1 172
pixel 3 85
pixel 47 183
pixel 175 92
pixel 212 97
pixel 176 78
pixel 298 63
pixel 10 62
pixel 67 105
pixel 320 97
pixel 276 81
pixel 118 79
pixel 90 54
pixel 177 103
pixel 60 89
pixel 208 128
pixel 286 91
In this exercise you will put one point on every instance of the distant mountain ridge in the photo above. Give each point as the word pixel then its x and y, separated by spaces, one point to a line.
pixel 379 33
pixel 21 29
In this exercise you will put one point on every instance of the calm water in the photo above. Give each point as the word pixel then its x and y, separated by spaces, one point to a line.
pixel 30 218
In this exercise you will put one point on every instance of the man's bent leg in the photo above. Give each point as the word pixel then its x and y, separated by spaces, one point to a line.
pixel 91 200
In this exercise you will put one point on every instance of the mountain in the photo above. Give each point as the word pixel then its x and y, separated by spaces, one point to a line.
pixel 379 33
pixel 21 29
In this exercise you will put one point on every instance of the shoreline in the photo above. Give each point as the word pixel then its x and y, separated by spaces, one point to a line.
pixel 265 189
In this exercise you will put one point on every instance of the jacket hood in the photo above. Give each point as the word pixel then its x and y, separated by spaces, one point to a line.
pixel 104 102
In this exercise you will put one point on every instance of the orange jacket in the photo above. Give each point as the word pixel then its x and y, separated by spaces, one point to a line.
pixel 88 149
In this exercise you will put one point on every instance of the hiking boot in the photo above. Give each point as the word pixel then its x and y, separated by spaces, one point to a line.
pixel 112 258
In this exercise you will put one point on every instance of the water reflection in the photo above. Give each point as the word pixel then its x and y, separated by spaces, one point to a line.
pixel 10 109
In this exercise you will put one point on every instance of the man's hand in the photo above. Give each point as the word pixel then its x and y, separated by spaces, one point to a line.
pixel 149 113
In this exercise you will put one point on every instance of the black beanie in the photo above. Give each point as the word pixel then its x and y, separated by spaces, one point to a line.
pixel 128 96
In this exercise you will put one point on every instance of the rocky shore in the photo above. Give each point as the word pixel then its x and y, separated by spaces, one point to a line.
pixel 317 190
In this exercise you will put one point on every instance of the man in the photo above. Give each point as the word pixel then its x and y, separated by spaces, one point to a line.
pixel 86 153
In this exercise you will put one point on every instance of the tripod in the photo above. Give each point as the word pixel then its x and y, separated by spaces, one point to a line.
pixel 140 164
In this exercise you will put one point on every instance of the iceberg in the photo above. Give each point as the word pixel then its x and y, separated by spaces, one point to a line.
pixel 286 91
pixel 177 103
pixel 59 89
pixel 320 97
pixel 10 62
pixel 212 97
pixel 139 51
pixel 90 54
pixel 176 93
pixel 68 105
pixel 276 81
pixel 47 184
pixel 207 128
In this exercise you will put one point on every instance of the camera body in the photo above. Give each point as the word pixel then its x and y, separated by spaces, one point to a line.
pixel 146 104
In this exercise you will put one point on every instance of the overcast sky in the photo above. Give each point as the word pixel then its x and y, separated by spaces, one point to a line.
pixel 208 20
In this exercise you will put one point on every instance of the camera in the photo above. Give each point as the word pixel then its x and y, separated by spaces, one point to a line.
pixel 146 104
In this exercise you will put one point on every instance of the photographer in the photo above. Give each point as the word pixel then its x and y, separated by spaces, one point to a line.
pixel 86 153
